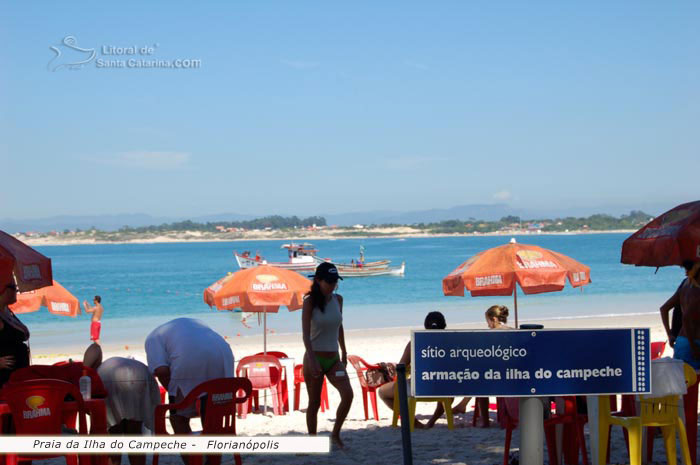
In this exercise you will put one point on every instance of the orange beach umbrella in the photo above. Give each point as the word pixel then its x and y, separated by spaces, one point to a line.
pixel 262 289
pixel 55 298
pixel 496 271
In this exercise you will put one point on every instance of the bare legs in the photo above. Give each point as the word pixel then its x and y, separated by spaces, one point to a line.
pixel 338 377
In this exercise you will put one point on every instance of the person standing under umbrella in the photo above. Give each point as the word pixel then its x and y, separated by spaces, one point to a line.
pixel 14 353
pixel 676 321
pixel 687 345
pixel 322 327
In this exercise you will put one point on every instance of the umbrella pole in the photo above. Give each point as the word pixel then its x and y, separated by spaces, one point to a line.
pixel 515 301
pixel 265 353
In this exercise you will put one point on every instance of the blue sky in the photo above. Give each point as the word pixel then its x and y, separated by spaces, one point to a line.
pixel 310 107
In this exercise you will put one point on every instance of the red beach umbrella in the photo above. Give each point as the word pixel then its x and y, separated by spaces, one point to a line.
pixel 262 289
pixel 55 298
pixel 667 240
pixel 496 271
pixel 23 265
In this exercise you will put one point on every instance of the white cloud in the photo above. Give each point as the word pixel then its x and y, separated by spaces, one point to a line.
pixel 146 160
pixel 502 195
pixel 297 64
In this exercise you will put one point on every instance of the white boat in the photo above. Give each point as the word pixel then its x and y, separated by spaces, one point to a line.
pixel 302 258
pixel 361 271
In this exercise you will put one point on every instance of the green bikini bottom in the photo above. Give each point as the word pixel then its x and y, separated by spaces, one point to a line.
pixel 327 363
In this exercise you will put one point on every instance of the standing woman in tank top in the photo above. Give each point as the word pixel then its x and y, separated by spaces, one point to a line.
pixel 322 326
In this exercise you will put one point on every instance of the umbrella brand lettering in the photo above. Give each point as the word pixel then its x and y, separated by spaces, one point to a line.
pixel 529 254
pixel 267 278
pixel 231 300
pixel 269 287
pixel 652 233
pixel 532 264
pixel 62 307
pixel 482 281
pixel 222 397
pixel 34 402
pixel 30 272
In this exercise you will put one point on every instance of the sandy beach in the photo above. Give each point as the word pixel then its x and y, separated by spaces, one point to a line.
pixel 299 235
pixel 371 441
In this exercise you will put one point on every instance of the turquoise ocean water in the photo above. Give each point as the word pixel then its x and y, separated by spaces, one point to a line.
pixel 143 285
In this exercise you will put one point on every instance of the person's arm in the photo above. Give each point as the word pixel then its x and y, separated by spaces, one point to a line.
pixel 306 312
pixel 163 375
pixel 674 301
pixel 88 308
pixel 341 335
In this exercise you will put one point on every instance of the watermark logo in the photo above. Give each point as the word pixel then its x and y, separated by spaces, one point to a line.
pixel 68 55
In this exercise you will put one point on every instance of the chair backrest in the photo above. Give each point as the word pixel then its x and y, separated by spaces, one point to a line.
pixel 263 371
pixel 274 354
pixel 657 349
pixel 66 371
pixel 360 367
pixel 37 405
pixel 222 396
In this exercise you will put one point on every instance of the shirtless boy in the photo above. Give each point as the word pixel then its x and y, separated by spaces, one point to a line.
pixel 97 312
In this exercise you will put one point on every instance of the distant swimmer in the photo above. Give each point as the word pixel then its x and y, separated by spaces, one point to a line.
pixel 97 310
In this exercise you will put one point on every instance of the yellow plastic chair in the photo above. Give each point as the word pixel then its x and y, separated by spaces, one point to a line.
pixel 446 403
pixel 661 412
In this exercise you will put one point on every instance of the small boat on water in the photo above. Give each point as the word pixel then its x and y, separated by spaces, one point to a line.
pixel 303 258
pixel 347 271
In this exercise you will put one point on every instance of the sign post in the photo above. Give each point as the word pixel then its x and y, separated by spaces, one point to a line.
pixel 527 364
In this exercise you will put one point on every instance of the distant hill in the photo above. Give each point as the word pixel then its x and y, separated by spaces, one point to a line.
pixel 486 212
pixel 106 222
pixel 462 212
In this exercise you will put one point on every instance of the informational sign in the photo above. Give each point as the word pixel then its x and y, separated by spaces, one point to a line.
pixel 530 363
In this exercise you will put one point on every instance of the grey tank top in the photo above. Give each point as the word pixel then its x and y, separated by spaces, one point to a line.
pixel 325 326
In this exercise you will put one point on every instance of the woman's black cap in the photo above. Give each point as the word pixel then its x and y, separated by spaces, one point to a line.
pixel 326 271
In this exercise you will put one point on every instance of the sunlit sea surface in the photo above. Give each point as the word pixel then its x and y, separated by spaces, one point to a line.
pixel 143 285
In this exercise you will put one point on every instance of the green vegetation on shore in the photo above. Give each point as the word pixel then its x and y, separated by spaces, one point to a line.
pixel 598 222
pixel 285 227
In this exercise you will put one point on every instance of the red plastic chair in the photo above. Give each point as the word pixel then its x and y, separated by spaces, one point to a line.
pixel 298 379
pixel 657 349
pixel 570 416
pixel 361 367
pixel 220 412
pixel 37 410
pixel 274 354
pixel 264 372
pixel 574 421
pixel 65 371
pixel 284 376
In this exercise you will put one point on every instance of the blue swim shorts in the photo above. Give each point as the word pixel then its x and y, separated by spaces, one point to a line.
pixel 681 351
